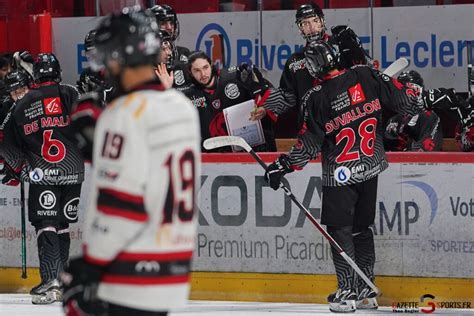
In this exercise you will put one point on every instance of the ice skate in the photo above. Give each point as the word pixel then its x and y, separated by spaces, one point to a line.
pixel 367 299
pixel 342 301
pixel 46 293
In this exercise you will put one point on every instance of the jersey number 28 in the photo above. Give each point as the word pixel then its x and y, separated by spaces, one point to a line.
pixel 367 142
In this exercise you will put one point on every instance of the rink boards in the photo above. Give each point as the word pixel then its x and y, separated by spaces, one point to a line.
pixel 254 244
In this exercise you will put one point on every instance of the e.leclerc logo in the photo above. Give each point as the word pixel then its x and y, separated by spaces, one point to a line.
pixel 214 41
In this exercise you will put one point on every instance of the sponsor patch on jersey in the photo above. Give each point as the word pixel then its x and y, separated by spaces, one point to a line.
pixel 71 209
pixel 357 94
pixel 297 65
pixel 36 175
pixel 183 58
pixel 385 78
pixel 199 102
pixel 216 104
pixel 178 77
pixel 342 174
pixel 47 200
pixel 231 90
pixel 109 175
pixel 52 106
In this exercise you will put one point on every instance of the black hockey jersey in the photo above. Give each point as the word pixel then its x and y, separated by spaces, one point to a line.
pixel 343 121
pixel 181 77
pixel 182 54
pixel 227 91
pixel 41 121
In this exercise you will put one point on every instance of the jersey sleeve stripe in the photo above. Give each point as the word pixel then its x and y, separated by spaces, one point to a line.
pixel 125 213
pixel 93 260
pixel 120 195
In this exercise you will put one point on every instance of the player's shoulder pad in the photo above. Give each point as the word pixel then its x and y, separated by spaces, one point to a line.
pixel 70 87
pixel 312 92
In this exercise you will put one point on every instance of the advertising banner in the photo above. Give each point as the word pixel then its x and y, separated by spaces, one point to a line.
pixel 423 225
pixel 432 38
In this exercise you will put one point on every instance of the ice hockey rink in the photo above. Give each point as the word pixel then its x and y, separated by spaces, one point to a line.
pixel 20 305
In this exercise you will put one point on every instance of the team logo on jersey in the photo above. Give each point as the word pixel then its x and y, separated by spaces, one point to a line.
pixel 342 174
pixel 183 58
pixel 357 94
pixel 179 77
pixel 71 208
pixel 216 104
pixel 47 200
pixel 36 175
pixel 232 91
pixel 297 65
pixel 199 102
pixel 52 106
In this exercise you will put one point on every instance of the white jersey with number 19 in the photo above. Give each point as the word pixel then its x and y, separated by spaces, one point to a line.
pixel 141 223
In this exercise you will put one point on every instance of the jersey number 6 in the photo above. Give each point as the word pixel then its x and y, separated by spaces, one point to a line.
pixel 52 150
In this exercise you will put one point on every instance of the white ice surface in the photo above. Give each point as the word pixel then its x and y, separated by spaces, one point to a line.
pixel 20 305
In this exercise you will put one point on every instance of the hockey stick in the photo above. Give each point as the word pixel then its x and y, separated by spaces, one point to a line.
pixel 397 66
pixel 469 69
pixel 23 231
pixel 222 141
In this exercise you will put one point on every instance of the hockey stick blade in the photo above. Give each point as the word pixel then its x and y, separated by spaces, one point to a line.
pixel 397 66
pixel 222 141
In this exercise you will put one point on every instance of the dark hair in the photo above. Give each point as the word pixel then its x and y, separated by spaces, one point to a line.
pixel 5 60
pixel 196 55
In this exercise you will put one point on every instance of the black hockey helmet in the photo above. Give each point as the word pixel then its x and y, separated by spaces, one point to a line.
pixel 168 41
pixel 17 79
pixel 165 13
pixel 89 40
pixel 319 58
pixel 91 81
pixel 46 68
pixel 411 76
pixel 130 38
pixel 306 11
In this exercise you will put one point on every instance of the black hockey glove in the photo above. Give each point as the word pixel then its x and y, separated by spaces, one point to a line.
pixel 10 178
pixel 252 79
pixel 84 117
pixel 350 48
pixel 441 99
pixel 277 170
pixel 80 281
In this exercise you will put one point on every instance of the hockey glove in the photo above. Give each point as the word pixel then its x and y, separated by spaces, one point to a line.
pixel 350 47
pixel 252 79
pixel 84 117
pixel 80 281
pixel 277 170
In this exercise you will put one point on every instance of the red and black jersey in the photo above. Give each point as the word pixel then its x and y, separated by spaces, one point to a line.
pixel 41 120
pixel 343 121
pixel 226 92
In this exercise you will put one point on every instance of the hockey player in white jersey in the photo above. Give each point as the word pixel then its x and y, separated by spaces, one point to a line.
pixel 141 223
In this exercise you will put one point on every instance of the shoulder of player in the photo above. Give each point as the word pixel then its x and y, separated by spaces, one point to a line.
pixel 69 88
pixel 313 93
